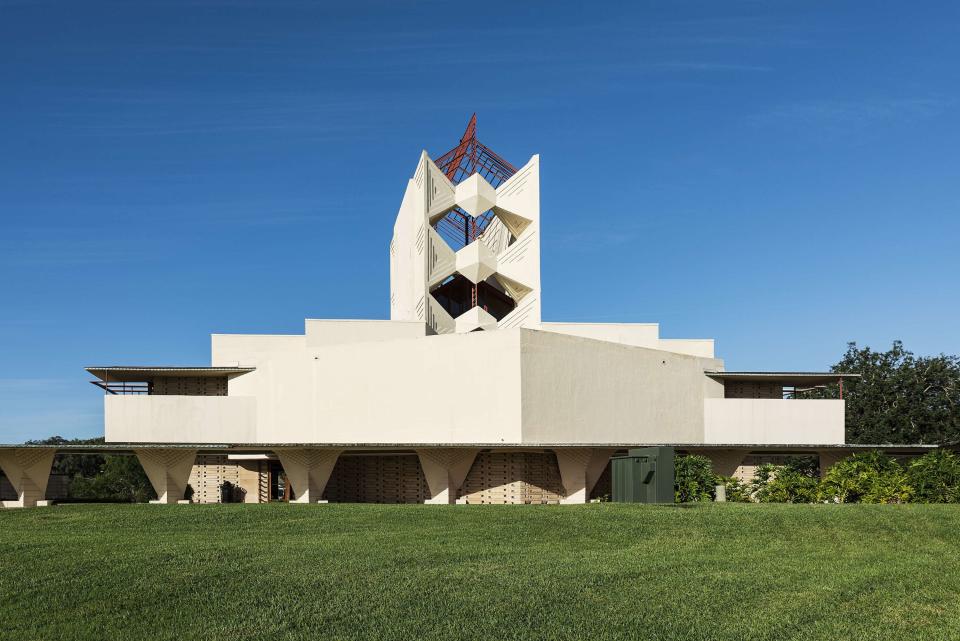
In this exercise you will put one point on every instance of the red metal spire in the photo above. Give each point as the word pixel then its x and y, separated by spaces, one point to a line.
pixel 471 132
pixel 458 153
pixel 470 157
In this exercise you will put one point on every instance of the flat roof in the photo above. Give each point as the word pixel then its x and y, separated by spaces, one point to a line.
pixel 258 448
pixel 790 378
pixel 137 374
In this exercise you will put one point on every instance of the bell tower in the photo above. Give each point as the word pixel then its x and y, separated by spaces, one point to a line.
pixel 465 253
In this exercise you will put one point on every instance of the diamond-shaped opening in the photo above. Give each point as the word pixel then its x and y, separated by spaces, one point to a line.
pixel 455 295
pixel 458 228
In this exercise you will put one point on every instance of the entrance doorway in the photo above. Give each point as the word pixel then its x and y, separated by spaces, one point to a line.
pixel 279 486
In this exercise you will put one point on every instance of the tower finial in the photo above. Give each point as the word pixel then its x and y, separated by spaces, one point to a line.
pixel 471 131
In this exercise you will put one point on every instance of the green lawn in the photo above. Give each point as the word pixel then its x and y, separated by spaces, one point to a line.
pixel 598 571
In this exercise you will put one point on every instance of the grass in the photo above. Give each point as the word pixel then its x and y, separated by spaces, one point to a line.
pixel 480 572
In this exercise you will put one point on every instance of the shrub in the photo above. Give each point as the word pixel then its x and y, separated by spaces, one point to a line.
pixel 935 477
pixel 867 477
pixel 693 479
pixel 806 465
pixel 796 481
pixel 121 478
pixel 737 491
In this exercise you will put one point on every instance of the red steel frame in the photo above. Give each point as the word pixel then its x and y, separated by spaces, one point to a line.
pixel 470 157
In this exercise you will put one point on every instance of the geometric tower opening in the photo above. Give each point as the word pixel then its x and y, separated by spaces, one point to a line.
pixel 465 252
pixel 457 295
pixel 458 228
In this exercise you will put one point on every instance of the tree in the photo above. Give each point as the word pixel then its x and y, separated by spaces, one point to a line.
pixel 70 464
pixel 935 477
pixel 900 398
pixel 98 477
pixel 120 479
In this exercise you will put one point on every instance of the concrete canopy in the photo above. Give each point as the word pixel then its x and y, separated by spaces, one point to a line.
pixel 786 378
pixel 143 374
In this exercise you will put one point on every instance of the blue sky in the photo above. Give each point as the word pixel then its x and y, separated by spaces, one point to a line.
pixel 782 177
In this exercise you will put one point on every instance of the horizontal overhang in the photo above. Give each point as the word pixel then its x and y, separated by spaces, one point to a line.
pixel 786 378
pixel 118 374
pixel 269 448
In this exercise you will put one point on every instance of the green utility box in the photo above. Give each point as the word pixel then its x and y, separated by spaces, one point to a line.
pixel 644 475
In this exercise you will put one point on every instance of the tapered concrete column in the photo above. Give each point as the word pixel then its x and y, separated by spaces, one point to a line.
pixel 28 470
pixel 168 470
pixel 445 469
pixel 724 461
pixel 308 470
pixel 828 458
pixel 580 467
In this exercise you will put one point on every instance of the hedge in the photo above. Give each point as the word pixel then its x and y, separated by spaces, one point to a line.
pixel 865 477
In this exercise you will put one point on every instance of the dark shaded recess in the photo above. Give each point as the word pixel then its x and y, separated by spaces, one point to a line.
pixel 456 296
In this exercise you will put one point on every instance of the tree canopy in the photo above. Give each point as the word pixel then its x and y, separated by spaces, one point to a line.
pixel 100 477
pixel 900 398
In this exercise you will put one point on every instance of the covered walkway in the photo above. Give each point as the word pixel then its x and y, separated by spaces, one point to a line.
pixel 365 473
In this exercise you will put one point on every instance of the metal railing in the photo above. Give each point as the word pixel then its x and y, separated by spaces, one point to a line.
pixel 122 387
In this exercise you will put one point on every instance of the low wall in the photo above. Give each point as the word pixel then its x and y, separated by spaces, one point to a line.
pixel 180 419
pixel 730 421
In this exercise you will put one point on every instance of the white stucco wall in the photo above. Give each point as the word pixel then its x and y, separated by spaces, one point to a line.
pixel 773 421
pixel 180 419
pixel 339 332
pixel 250 350
pixel 636 334
pixel 520 262
pixel 467 388
pixel 458 388
pixel 281 372
pixel 590 391
pixel 691 346
pixel 404 288
pixel 508 386
pixel 518 386
pixel 439 389
pixel 284 381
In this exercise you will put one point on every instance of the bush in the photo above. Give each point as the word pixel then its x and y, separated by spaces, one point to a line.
pixel 867 477
pixel 806 465
pixel 935 477
pixel 693 479
pixel 796 481
pixel 737 491
pixel 121 478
